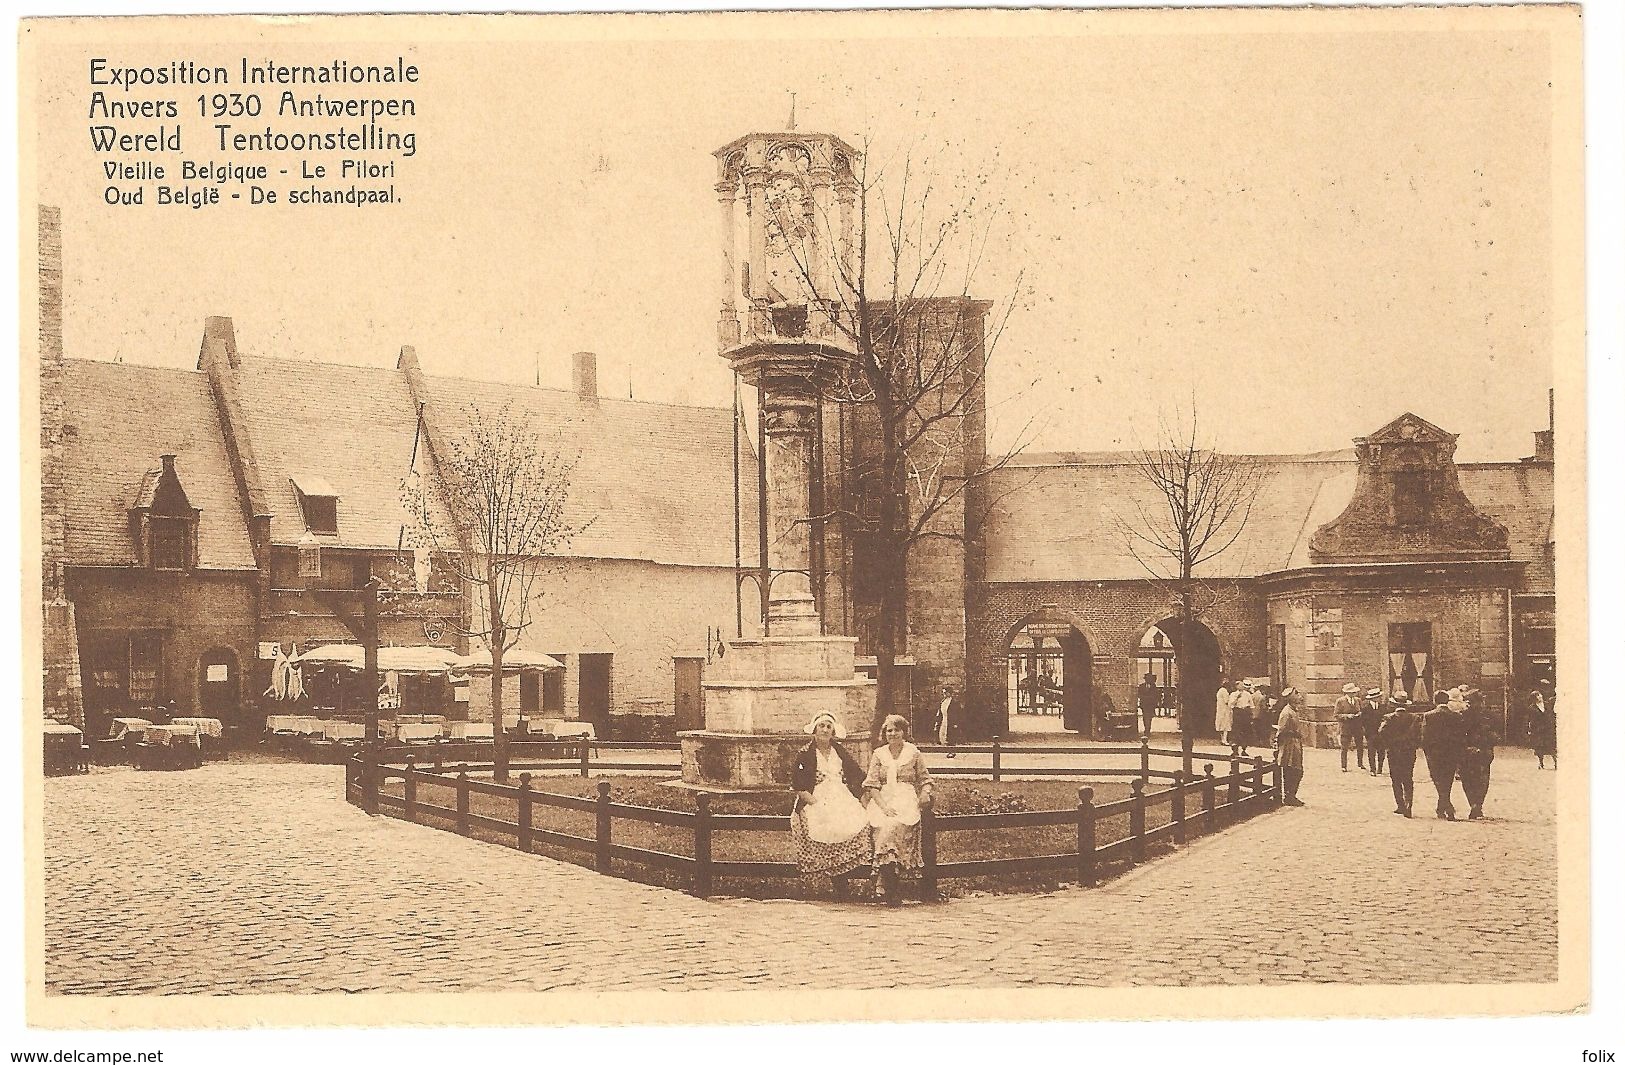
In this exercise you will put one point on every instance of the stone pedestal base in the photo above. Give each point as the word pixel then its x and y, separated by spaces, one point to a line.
pixel 745 762
pixel 759 697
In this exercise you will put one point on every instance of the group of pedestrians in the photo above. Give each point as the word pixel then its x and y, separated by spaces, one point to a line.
pixel 1457 735
pixel 846 819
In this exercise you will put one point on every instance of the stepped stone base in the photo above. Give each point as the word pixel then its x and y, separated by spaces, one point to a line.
pixel 758 699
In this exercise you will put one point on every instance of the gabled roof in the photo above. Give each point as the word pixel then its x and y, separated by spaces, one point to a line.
pixel 122 419
pixel 656 481
pixel 341 430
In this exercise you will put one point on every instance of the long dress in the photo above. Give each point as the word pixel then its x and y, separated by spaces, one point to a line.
pixel 1222 716
pixel 831 835
pixel 898 780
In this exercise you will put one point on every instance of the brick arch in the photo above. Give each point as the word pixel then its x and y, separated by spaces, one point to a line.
pixel 1055 614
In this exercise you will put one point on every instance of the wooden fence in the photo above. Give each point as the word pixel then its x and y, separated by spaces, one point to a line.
pixel 1197 804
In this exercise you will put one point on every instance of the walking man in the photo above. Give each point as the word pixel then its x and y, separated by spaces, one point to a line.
pixel 1441 742
pixel 1400 733
pixel 1149 695
pixel 1289 744
pixel 1348 721
pixel 1371 725
pixel 1479 734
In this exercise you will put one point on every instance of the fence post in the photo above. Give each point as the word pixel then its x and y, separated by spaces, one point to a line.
pixel 437 766
pixel 462 801
pixel 1086 837
pixel 352 768
pixel 1275 782
pixel 409 791
pixel 1145 759
pixel 603 824
pixel 369 783
pixel 928 853
pixel 1233 788
pixel 1210 814
pixel 995 759
pixel 1179 807
pixel 524 813
pixel 1258 777
pixel 1136 822
pixel 702 844
pixel 584 752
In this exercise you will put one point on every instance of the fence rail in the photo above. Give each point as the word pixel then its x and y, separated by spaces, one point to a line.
pixel 1196 804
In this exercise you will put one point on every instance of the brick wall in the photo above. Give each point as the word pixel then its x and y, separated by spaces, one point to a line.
pixel 195 612
pixel 1112 616
pixel 63 697
pixel 1338 636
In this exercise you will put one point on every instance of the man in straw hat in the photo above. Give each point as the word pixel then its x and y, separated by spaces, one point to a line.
pixel 1371 725
pixel 1348 720
pixel 1401 733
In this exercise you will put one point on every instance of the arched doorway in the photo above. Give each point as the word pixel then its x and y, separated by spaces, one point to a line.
pixel 1048 679
pixel 219 685
pixel 1161 652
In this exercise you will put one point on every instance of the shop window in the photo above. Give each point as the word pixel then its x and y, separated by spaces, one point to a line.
pixel 530 692
pixel 1410 659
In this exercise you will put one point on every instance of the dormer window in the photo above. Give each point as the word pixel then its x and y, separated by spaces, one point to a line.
pixel 169 538
pixel 319 502
pixel 163 522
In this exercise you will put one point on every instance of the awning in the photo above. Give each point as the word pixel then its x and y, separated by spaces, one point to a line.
pixel 420 659
pixel 516 659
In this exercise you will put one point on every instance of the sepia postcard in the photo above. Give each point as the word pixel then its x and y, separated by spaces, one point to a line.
pixel 819 517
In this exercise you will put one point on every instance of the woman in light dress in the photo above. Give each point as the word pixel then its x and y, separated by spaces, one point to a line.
pixel 1221 713
pixel 829 825
pixel 897 786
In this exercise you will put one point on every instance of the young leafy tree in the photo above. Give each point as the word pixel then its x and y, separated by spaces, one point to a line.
pixel 898 297
pixel 1199 504
pixel 507 517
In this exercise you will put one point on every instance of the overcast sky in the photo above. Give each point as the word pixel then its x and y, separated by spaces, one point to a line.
pixel 1308 234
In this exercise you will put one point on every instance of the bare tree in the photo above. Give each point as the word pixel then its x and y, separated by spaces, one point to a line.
pixel 1199 504
pixel 897 297
pixel 506 518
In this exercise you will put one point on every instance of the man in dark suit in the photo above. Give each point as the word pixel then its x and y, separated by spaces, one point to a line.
pixel 1441 742
pixel 1149 696
pixel 1479 736
pixel 1400 733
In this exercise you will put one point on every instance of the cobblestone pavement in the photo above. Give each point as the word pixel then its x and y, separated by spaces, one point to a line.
pixel 248 878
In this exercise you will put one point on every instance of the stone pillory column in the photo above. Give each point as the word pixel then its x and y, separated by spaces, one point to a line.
pixel 760 694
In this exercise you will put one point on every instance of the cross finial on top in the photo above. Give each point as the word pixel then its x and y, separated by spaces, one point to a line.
pixel 792 123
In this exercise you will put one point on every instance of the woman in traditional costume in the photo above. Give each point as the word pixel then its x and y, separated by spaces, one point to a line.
pixel 897 786
pixel 829 825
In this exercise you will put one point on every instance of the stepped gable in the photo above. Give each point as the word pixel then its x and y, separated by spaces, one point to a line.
pixel 1408 504
pixel 120 419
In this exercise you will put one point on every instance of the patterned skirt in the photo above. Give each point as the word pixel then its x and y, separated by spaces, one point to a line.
pixel 828 859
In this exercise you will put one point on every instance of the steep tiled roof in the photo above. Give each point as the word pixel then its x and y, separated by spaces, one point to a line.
pixel 351 427
pixel 123 418
pixel 656 481
pixel 1065 521
pixel 1057 515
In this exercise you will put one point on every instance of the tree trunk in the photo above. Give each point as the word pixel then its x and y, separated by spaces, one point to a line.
pixel 499 734
pixel 1187 622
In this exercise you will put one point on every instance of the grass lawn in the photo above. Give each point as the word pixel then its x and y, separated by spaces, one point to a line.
pixel 953 796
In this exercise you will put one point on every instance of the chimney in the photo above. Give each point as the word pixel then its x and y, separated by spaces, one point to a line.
pixel 169 464
pixel 50 284
pixel 584 374
pixel 220 336
pixel 408 359
pixel 1543 438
